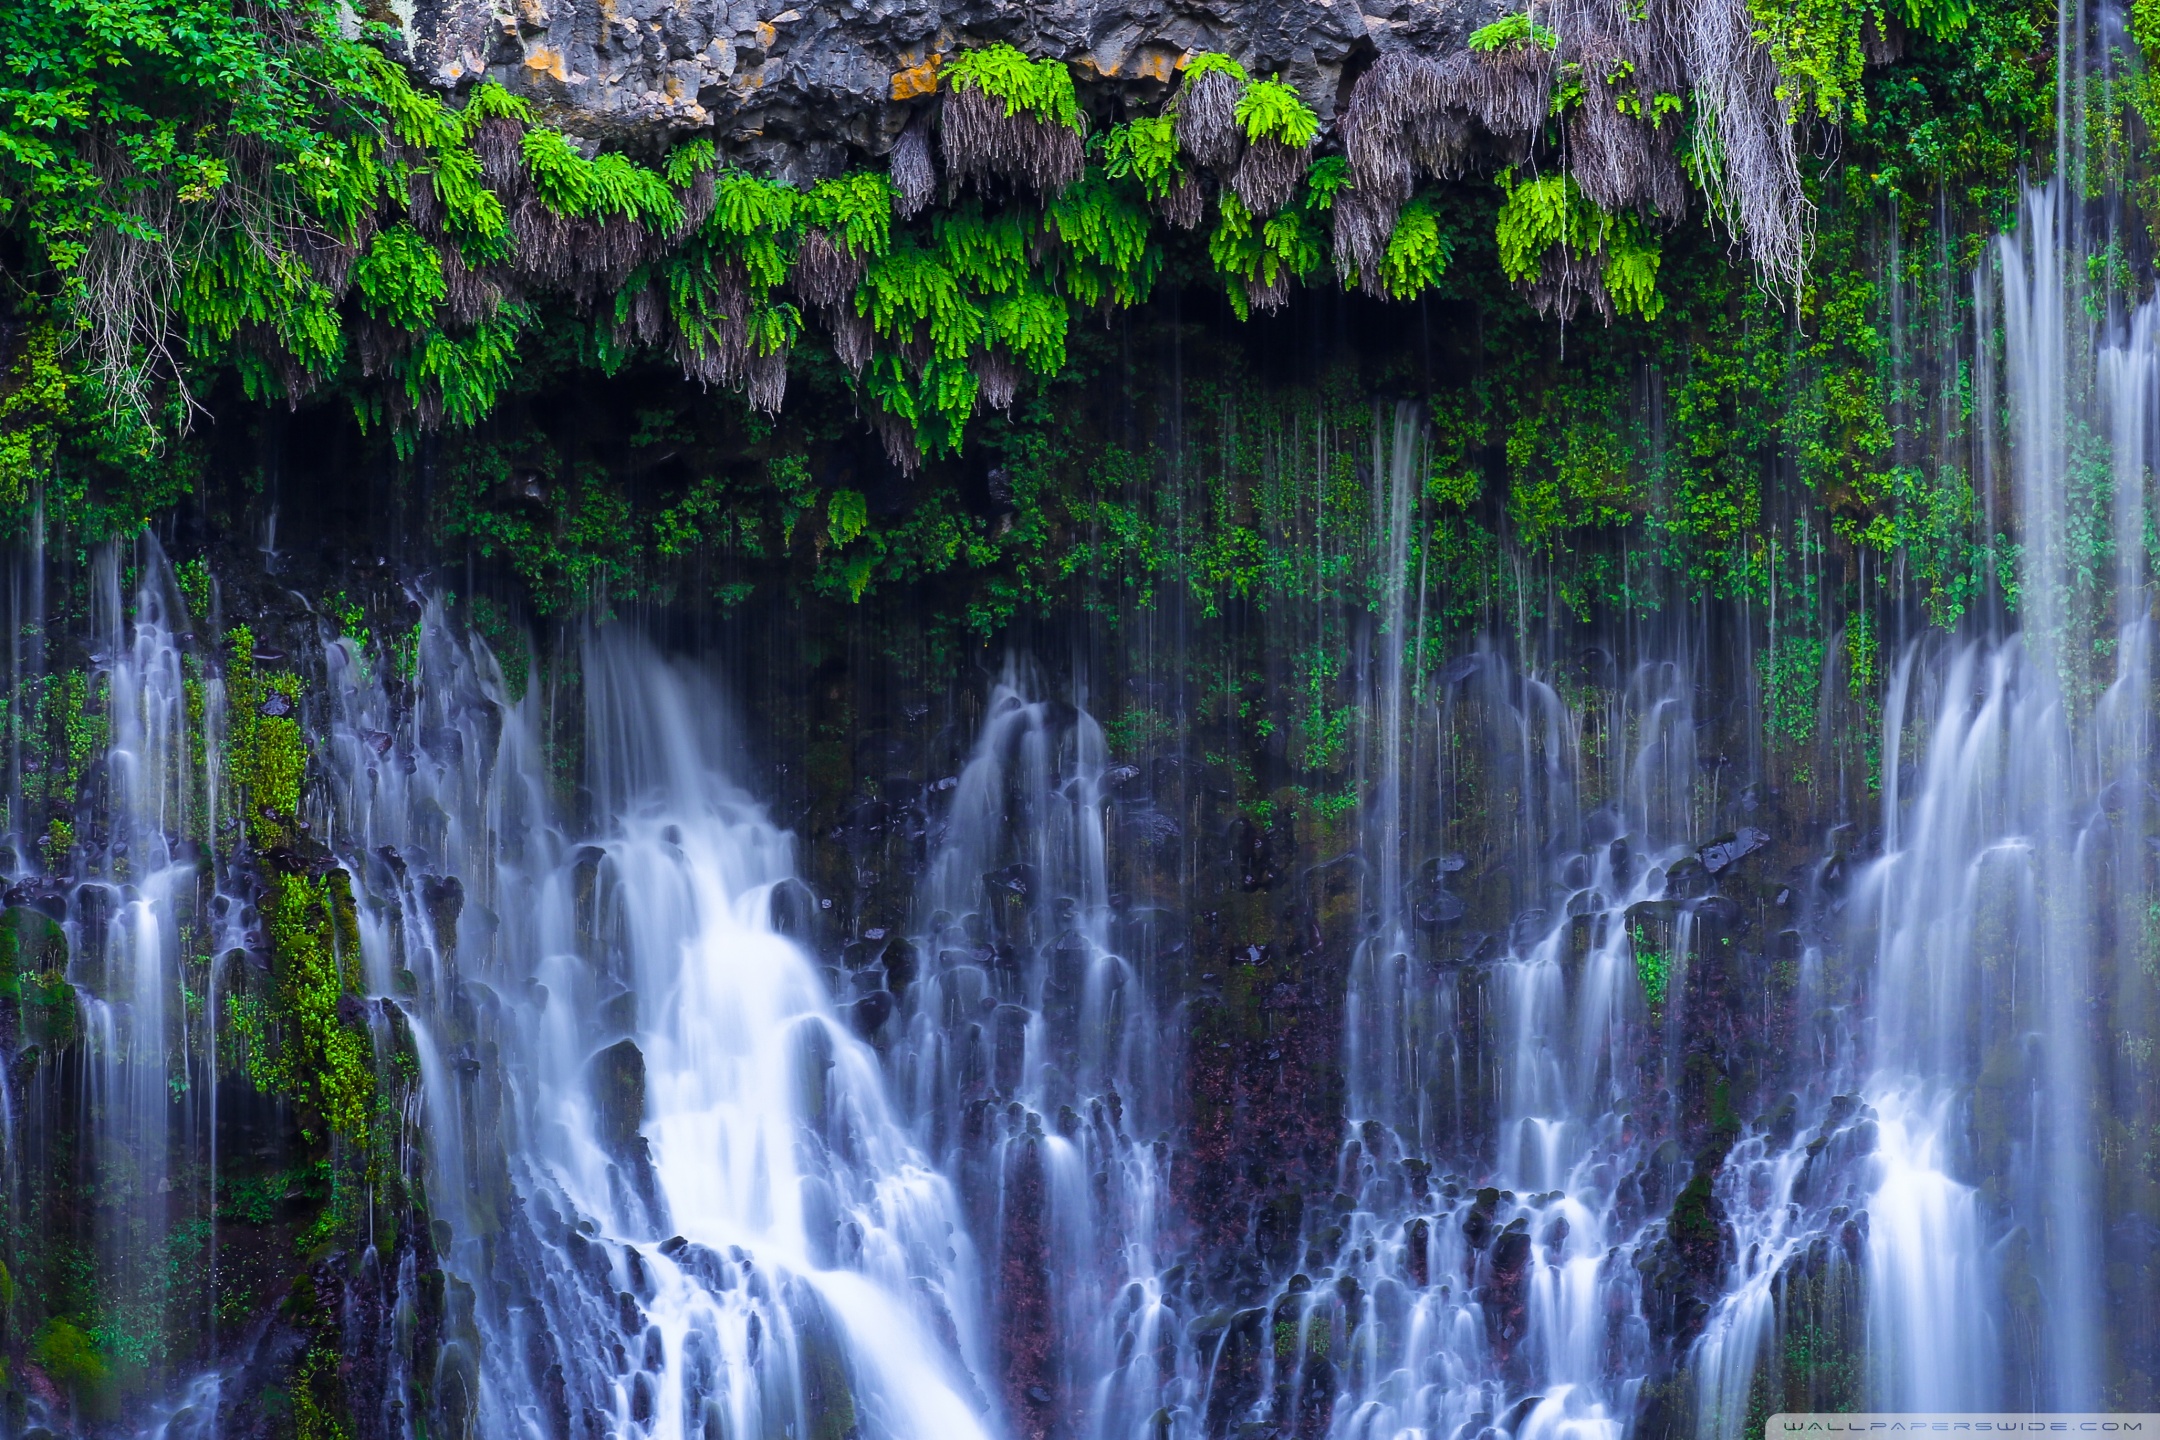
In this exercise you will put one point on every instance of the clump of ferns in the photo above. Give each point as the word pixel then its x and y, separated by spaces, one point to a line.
pixel 709 299
pixel 959 312
pixel 1008 117
pixel 1258 135
pixel 1205 111
pixel 1259 256
pixel 1406 116
pixel 1561 249
pixel 1146 153
pixel 1508 83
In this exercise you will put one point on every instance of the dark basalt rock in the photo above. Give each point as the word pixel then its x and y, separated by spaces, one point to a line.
pixel 803 90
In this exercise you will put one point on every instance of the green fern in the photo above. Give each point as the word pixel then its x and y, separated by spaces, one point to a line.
pixel 689 160
pixel 1418 251
pixel 1516 28
pixel 1109 239
pixel 856 208
pixel 400 278
pixel 1208 62
pixel 1271 110
pixel 1041 88
pixel 1144 151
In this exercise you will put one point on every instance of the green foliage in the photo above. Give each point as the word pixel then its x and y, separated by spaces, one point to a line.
pixel 1144 151
pixel 1549 211
pixel 1209 62
pixel 1653 969
pixel 401 278
pixel 857 208
pixel 1252 253
pixel 64 1351
pixel 1112 257
pixel 1418 250
pixel 1514 28
pixel 1041 88
pixel 1271 110
pixel 265 753
pixel 319 1060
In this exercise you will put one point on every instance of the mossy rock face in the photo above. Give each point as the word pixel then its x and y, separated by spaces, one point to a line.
pixel 33 979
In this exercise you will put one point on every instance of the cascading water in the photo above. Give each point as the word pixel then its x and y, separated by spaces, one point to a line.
pixel 707 1221
pixel 1034 1059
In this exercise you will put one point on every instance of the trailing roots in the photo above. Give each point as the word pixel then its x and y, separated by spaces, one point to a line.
pixel 1748 160
pixel 914 169
pixel 1269 174
pixel 1207 123
pixel 982 141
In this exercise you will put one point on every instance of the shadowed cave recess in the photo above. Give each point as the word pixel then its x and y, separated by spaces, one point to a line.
pixel 1089 721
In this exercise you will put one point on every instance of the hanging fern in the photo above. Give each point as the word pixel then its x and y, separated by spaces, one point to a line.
pixel 1112 255
pixel 857 208
pixel 400 279
pixel 1512 30
pixel 1040 88
pixel 1271 110
pixel 1417 252
pixel 1144 151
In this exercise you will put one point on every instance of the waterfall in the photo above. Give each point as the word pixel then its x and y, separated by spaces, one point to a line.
pixel 1037 1066
pixel 714 1221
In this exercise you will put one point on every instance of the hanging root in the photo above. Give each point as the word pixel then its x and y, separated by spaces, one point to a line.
pixel 982 141
pixel 1000 376
pixel 697 200
pixel 1183 204
pixel 1747 150
pixel 499 142
pixel 543 241
pixel 914 168
pixel 899 438
pixel 1207 124
pixel 1266 297
pixel 1269 174
pixel 852 339
pixel 1608 152
pixel 765 384
pixel 471 296
pixel 1364 222
pixel 826 272
pixel 1565 279
pixel 1510 90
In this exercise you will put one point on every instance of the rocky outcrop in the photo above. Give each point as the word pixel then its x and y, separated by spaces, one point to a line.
pixel 802 90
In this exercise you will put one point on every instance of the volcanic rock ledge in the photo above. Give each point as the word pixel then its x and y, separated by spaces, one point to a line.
pixel 802 89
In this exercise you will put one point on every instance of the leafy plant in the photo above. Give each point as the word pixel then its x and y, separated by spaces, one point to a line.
pixel 1144 151
pixel 1417 252
pixel 1512 29
pixel 1271 110
pixel 1209 62
pixel 1041 88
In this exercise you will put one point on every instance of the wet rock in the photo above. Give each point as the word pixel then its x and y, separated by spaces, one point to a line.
pixel 444 898
pixel 869 1013
pixel 1721 855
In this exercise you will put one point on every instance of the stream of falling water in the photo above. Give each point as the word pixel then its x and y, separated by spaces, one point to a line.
pixel 712 1223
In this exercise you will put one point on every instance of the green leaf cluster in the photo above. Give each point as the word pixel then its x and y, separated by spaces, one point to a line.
pixel 1271 110
pixel 1041 88
pixel 1510 30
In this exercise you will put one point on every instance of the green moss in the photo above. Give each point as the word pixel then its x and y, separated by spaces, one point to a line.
pixel 265 753
pixel 314 1057
pixel 66 1353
